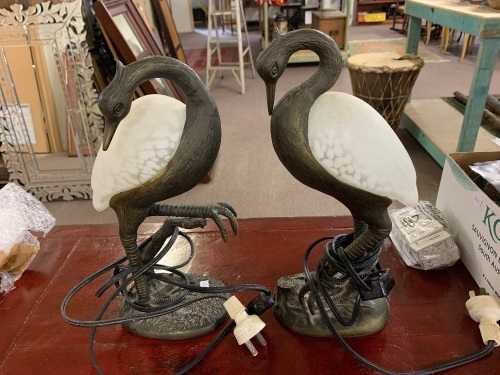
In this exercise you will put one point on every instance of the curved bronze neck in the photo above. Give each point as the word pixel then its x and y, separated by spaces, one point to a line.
pixel 169 68
pixel 330 59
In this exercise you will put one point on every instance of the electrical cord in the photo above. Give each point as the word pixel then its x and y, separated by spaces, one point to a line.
pixel 334 254
pixel 124 275
pixel 334 258
pixel 229 328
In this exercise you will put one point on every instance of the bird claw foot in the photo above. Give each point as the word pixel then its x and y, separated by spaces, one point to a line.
pixel 209 211
pixel 215 211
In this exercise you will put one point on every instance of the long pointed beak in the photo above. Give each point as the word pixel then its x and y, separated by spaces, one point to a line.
pixel 270 91
pixel 109 132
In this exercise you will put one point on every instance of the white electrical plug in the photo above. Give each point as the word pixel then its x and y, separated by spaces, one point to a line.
pixel 485 310
pixel 247 326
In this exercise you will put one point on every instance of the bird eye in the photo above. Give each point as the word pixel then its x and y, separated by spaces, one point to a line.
pixel 274 71
pixel 118 109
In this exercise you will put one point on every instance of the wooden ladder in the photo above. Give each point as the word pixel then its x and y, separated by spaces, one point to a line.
pixel 217 11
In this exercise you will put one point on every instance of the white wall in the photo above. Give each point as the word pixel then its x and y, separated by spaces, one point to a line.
pixel 182 13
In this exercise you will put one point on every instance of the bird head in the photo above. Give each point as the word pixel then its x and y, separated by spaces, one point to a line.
pixel 271 64
pixel 114 103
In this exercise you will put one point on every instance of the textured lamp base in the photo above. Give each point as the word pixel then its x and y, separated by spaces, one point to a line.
pixel 296 315
pixel 194 320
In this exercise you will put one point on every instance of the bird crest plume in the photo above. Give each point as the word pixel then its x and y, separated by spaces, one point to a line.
pixel 119 69
pixel 119 73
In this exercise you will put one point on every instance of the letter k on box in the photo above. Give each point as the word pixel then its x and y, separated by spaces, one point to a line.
pixel 473 217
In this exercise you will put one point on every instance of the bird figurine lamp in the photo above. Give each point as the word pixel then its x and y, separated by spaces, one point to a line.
pixel 157 147
pixel 339 145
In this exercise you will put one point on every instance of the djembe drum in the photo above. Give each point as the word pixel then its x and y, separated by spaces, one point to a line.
pixel 385 81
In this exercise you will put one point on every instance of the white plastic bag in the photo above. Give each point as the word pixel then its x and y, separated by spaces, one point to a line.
pixel 20 214
pixel 421 237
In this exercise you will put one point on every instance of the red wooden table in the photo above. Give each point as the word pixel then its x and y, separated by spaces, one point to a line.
pixel 428 325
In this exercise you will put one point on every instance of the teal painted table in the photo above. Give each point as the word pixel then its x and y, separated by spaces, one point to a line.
pixel 480 21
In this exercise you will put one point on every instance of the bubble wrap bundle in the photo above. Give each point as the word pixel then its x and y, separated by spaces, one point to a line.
pixel 422 237
pixel 20 213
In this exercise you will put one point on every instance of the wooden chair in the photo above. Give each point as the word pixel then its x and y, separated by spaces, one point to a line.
pixel 399 17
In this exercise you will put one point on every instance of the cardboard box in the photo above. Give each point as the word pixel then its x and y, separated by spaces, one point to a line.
pixel 473 217
pixel 371 17
pixel 331 22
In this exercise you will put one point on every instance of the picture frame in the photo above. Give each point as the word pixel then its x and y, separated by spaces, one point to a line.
pixel 168 31
pixel 21 72
pixel 48 95
pixel 130 38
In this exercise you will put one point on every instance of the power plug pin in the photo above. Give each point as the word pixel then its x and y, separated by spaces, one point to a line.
pixel 247 326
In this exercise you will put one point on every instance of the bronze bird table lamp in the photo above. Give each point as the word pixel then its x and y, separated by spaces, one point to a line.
pixel 337 144
pixel 155 148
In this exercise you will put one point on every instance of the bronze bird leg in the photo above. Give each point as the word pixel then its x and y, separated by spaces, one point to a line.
pixel 184 216
pixel 157 293
pixel 374 233
pixel 360 227
pixel 129 243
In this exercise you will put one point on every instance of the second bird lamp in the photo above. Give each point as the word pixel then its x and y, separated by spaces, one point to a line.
pixel 339 145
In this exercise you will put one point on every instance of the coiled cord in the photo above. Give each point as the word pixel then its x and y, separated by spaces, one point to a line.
pixel 333 251
pixel 124 275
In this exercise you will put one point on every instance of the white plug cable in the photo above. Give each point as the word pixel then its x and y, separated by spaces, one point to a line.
pixel 485 310
pixel 247 326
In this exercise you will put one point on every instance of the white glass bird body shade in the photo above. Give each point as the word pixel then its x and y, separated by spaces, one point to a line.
pixel 142 146
pixel 352 141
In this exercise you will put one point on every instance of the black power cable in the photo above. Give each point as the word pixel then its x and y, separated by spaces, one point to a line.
pixel 124 275
pixel 335 256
